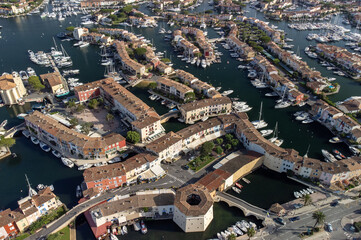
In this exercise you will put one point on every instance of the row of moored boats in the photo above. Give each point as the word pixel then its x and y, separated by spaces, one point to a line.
pixel 238 229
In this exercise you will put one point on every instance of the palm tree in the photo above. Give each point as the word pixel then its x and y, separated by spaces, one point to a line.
pixel 232 237
pixel 251 232
pixel 307 200
pixel 319 217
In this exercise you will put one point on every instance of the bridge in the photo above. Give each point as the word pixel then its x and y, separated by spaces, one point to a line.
pixel 212 40
pixel 247 208
pixel 11 132
pixel 165 117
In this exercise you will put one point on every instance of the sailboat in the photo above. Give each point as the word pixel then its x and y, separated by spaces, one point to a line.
pixel 306 155
pixel 260 123
pixel 274 139
pixel 281 103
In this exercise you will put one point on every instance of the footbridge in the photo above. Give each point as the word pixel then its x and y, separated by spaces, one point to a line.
pixel 247 208
pixel 11 132
pixel 212 40
pixel 165 117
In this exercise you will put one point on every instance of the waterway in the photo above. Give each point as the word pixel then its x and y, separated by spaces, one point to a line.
pixel 32 32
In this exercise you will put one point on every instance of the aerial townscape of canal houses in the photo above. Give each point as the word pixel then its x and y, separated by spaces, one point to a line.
pixel 133 162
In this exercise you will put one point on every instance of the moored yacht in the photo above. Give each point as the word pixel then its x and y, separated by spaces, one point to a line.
pixel 34 140
pixel 44 147
pixel 67 162
pixel 85 166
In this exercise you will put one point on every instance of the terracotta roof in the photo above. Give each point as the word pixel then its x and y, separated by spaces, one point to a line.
pixel 206 201
pixel 7 82
pixel 205 103
pixel 213 180
pixel 104 172
pixel 164 142
pixel 53 79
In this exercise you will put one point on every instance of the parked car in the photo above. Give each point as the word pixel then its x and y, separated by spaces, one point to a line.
pixel 185 167
pixel 329 227
pixel 334 203
pixel 293 219
pixel 280 221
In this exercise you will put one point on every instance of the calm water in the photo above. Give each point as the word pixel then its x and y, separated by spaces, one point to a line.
pixel 32 32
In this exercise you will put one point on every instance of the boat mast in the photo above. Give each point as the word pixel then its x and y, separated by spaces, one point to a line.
pixel 32 192
pixel 56 47
pixel 260 112
pixel 308 148
pixel 275 133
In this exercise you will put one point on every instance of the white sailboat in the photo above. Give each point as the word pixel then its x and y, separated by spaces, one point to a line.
pixel 258 124
pixel 274 139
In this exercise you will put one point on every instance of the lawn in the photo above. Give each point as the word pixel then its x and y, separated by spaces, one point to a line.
pixel 22 236
pixel 63 234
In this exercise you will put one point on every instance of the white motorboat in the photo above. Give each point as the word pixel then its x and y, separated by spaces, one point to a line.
pixel 21 115
pixel 298 113
pixel 136 226
pixel 56 153
pixel 203 63
pixel 283 104
pixel 181 120
pixel 113 237
pixel 34 140
pixel 78 192
pixel 125 229
pixel 85 166
pixel 115 160
pixel 31 71
pixel 297 194
pixel 252 75
pixel 226 93
pixel 67 162
pixel 237 230
pixel 329 157
pixel 354 150
pixel 84 45
pixel 100 164
pixel 143 229
pixel 266 132
pixel 310 190
pixel 258 124
pixel 244 108
pixel 44 147
pixel 335 140
pixel 26 133
pixel 302 116
pixel 237 190
pixel 241 226
pixel 276 141
pixel 307 121
pixel 271 94
pixel 245 223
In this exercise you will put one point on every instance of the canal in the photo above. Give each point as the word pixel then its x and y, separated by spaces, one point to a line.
pixel 32 32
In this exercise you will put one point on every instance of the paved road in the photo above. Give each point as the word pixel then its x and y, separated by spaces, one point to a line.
pixel 333 215
pixel 165 182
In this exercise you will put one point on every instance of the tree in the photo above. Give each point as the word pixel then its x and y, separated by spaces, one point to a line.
pixel 276 61
pixel 138 15
pixel 251 232
pixel 229 137
pixel 85 128
pixel 152 85
pixel 208 11
pixel 307 200
pixel 234 142
pixel 70 103
pixel 93 103
pixel 127 9
pixel 80 108
pixel 133 137
pixel 73 122
pixel 165 60
pixel 219 141
pixel 319 217
pixel 207 148
pixel 219 150
pixel 228 146
pixel 190 95
pixel 34 81
pixel 109 117
pixel 6 142
pixel 140 51
pixel 265 39
pixel 70 28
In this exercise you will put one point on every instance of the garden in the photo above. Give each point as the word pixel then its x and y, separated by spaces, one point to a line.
pixel 212 150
